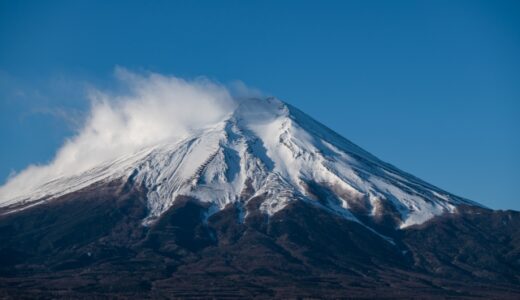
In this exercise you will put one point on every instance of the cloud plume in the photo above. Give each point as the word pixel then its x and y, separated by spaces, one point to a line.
pixel 151 108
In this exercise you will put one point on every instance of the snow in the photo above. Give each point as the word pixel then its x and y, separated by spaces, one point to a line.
pixel 264 148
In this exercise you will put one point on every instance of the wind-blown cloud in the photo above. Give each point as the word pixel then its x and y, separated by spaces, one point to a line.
pixel 152 109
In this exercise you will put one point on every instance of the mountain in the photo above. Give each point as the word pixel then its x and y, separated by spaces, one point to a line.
pixel 266 203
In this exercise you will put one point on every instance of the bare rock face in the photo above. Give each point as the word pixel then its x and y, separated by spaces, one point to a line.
pixel 267 203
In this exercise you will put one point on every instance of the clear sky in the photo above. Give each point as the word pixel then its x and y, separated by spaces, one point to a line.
pixel 432 87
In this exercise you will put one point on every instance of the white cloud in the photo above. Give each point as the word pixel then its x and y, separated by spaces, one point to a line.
pixel 153 108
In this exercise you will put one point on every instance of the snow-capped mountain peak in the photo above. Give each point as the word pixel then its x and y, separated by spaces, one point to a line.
pixel 269 151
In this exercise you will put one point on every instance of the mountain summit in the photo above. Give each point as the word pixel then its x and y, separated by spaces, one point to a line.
pixel 265 149
pixel 266 202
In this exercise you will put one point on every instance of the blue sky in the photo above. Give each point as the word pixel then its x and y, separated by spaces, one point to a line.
pixel 432 87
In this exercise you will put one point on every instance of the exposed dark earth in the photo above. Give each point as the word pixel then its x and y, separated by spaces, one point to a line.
pixel 92 244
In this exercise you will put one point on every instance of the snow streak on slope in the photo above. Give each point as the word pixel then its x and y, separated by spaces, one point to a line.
pixel 267 150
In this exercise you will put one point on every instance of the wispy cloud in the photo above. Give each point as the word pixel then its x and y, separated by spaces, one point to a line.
pixel 150 108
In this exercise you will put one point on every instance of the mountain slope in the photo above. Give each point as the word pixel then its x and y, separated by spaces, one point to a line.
pixel 267 203
pixel 91 243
